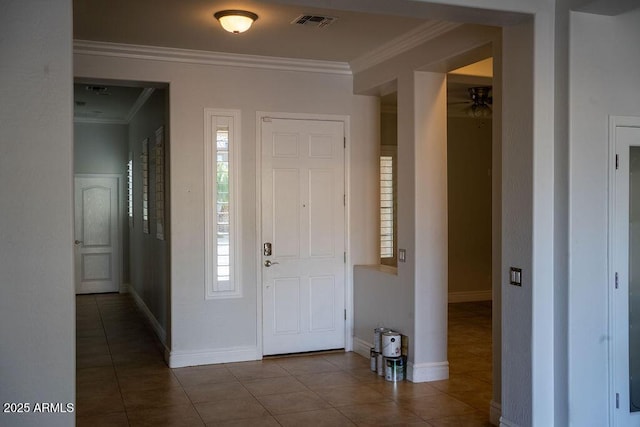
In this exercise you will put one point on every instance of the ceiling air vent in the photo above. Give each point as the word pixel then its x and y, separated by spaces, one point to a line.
pixel 314 20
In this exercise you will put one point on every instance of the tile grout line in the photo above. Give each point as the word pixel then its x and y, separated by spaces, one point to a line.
pixel 113 365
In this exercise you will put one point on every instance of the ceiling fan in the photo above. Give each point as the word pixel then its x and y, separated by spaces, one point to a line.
pixel 480 102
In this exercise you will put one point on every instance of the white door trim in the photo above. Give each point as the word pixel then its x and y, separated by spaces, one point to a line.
pixel 123 288
pixel 348 301
pixel 614 123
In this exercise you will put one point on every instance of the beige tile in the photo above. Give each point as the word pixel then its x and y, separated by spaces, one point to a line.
pixel 327 379
pixel 255 371
pixel 136 369
pixel 98 389
pixel 117 419
pixel 292 402
pixel 436 406
pixel 142 382
pixel 93 360
pixel 99 374
pixel 460 383
pixel 321 418
pixel 379 414
pixel 134 358
pixel 366 375
pixel 226 410
pixel 274 386
pixel 215 392
pixel 266 421
pixel 480 400
pixel 403 390
pixel 99 405
pixel 486 376
pixel 209 374
pixel 466 420
pixel 350 395
pixel 162 397
pixel 182 415
pixel 348 360
pixel 311 365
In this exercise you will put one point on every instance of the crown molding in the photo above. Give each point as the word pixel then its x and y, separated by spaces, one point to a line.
pixel 87 47
pixel 144 96
pixel 401 44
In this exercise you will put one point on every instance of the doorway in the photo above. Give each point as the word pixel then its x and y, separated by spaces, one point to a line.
pixel 624 265
pixel 303 233
pixel 122 190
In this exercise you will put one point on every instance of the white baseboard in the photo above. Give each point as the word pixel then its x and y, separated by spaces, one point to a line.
pixel 362 347
pixel 506 423
pixel 470 296
pixel 495 412
pixel 159 330
pixel 422 372
pixel 180 359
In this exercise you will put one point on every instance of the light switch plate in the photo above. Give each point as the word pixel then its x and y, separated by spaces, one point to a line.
pixel 515 276
pixel 402 255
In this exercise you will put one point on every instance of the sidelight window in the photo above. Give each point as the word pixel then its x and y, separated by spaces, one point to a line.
pixel 222 135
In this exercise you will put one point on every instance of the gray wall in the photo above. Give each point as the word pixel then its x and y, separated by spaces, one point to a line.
pixel 37 308
pixel 100 148
pixel 148 255
pixel 469 201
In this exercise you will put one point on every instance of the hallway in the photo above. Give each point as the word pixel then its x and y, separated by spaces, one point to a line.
pixel 122 380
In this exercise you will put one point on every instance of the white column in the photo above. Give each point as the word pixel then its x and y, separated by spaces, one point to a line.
pixel 430 227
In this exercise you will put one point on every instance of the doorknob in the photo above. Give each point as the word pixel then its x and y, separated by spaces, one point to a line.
pixel 77 242
pixel 269 263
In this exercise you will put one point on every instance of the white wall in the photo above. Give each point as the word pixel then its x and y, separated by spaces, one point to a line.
pixel 204 328
pixel 605 71
pixel 469 197
pixel 37 308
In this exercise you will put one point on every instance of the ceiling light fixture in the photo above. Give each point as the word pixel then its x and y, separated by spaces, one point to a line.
pixel 481 99
pixel 235 21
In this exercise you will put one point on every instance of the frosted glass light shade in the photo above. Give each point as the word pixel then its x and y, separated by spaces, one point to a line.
pixel 235 21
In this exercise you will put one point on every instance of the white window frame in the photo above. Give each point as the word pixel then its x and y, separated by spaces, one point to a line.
pixel 213 289
pixel 130 208
pixel 389 151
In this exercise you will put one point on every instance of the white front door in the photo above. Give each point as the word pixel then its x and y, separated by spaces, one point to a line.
pixel 303 227
pixel 626 266
pixel 96 235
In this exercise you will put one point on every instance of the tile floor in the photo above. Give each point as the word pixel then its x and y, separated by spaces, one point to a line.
pixel 122 380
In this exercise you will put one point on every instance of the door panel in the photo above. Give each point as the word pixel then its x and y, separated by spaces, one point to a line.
pixel 626 264
pixel 303 219
pixel 96 234
pixel 286 213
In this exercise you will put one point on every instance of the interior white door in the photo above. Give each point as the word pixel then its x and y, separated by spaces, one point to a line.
pixel 303 235
pixel 626 264
pixel 96 235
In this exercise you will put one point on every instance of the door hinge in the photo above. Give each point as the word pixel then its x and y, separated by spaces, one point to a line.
pixel 616 280
pixel 345 141
pixel 344 200
pixel 617 400
pixel 617 162
pixel 345 314
pixel 345 257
